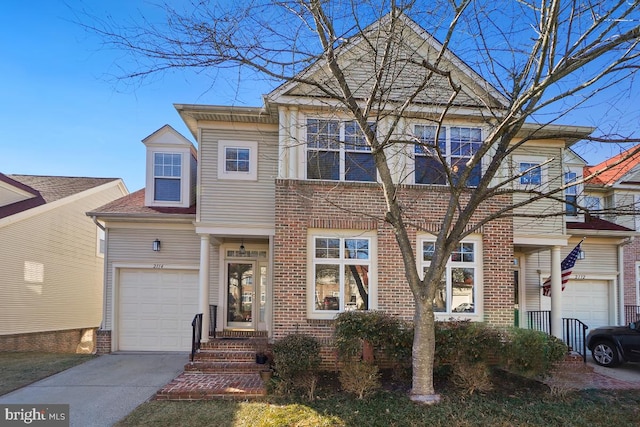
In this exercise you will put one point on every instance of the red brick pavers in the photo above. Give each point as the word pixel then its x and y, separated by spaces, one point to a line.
pixel 208 386
pixel 587 378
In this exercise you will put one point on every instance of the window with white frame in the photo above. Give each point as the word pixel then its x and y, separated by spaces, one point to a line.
pixel 530 171
pixel 457 291
pixel 238 160
pixel 456 146
pixel 337 150
pixel 571 194
pixel 593 204
pixel 167 177
pixel 341 276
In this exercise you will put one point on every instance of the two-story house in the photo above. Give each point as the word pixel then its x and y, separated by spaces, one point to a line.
pixel 277 219
pixel 52 261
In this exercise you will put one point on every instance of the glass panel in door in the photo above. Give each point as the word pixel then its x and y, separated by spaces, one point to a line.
pixel 241 294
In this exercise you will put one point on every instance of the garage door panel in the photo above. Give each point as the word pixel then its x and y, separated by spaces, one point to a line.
pixel 156 309
pixel 587 301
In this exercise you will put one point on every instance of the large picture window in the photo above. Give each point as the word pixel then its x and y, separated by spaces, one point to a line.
pixel 457 291
pixel 341 276
pixel 455 147
pixel 167 173
pixel 337 150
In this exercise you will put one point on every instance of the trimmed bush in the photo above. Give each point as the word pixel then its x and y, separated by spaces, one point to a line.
pixel 531 353
pixel 296 359
pixel 360 378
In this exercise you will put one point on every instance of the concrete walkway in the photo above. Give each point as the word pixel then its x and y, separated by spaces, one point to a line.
pixel 104 390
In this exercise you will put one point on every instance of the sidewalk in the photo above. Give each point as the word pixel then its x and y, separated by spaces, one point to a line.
pixel 593 376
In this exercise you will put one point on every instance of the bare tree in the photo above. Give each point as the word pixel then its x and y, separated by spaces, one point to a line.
pixel 542 60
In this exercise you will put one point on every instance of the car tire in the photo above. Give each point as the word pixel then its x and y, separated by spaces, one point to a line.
pixel 605 354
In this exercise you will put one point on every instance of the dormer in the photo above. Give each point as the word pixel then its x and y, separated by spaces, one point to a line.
pixel 171 169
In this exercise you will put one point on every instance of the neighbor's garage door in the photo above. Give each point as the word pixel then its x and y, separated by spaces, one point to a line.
pixel 156 308
pixel 587 301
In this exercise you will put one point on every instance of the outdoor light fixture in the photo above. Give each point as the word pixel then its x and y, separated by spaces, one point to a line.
pixel 581 254
pixel 243 251
pixel 156 245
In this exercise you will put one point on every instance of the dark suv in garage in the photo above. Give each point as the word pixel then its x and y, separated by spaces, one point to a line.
pixel 612 345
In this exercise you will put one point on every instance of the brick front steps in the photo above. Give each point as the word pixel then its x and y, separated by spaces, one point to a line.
pixel 223 368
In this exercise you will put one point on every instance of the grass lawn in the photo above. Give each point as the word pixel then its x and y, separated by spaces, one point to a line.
pixel 513 402
pixel 20 369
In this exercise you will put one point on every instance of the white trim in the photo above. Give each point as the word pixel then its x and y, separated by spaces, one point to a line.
pixel 372 262
pixel 115 289
pixel 477 265
pixel 234 230
pixel 252 174
pixel 517 160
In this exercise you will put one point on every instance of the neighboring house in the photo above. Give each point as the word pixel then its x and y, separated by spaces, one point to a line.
pixel 613 195
pixel 51 261
pixel 282 234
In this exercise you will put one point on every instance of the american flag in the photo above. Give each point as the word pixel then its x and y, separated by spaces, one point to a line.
pixel 566 267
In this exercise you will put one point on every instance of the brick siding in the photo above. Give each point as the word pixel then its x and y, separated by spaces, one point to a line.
pixel 301 205
pixel 67 341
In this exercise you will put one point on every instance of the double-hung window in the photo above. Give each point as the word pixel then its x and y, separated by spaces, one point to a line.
pixel 337 150
pixel 341 277
pixel 458 287
pixel 571 193
pixel 455 148
pixel 167 173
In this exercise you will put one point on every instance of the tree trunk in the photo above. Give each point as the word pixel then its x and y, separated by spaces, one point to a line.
pixel 424 345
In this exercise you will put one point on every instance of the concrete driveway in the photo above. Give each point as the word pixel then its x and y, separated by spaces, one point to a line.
pixel 103 390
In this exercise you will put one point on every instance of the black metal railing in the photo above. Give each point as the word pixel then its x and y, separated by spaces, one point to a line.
pixel 574 331
pixel 574 335
pixel 539 321
pixel 631 313
pixel 213 320
pixel 196 334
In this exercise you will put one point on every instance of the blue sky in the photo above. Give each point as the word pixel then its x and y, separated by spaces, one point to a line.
pixel 62 114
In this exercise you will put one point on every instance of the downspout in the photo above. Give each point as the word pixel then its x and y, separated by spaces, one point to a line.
pixel 104 271
pixel 621 314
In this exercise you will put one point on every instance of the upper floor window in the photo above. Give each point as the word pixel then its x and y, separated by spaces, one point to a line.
pixel 337 150
pixel 530 172
pixel 593 204
pixel 458 286
pixel 571 193
pixel 237 160
pixel 167 173
pixel 456 145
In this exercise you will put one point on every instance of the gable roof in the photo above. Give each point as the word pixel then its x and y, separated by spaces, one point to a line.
pixel 46 189
pixel 417 47
pixel 619 166
pixel 133 205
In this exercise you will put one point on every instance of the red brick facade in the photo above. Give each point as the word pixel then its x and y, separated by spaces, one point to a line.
pixel 67 341
pixel 631 256
pixel 301 205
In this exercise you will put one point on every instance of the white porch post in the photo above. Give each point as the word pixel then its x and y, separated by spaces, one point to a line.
pixel 556 292
pixel 203 288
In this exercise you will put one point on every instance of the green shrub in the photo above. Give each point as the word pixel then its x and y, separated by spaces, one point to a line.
pixel 466 342
pixel 386 333
pixel 360 378
pixel 296 360
pixel 531 353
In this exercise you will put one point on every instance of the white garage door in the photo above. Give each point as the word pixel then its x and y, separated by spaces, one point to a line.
pixel 587 301
pixel 156 308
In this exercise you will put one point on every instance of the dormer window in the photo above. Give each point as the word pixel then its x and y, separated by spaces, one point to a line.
pixel 167 173
pixel 171 169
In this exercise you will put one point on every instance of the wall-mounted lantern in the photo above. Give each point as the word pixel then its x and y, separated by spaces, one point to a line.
pixel 156 245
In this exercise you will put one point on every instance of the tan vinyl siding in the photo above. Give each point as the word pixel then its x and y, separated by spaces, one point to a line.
pixel 238 203
pixel 549 225
pixel 51 277
pixel 600 259
pixel 624 208
pixel 133 246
